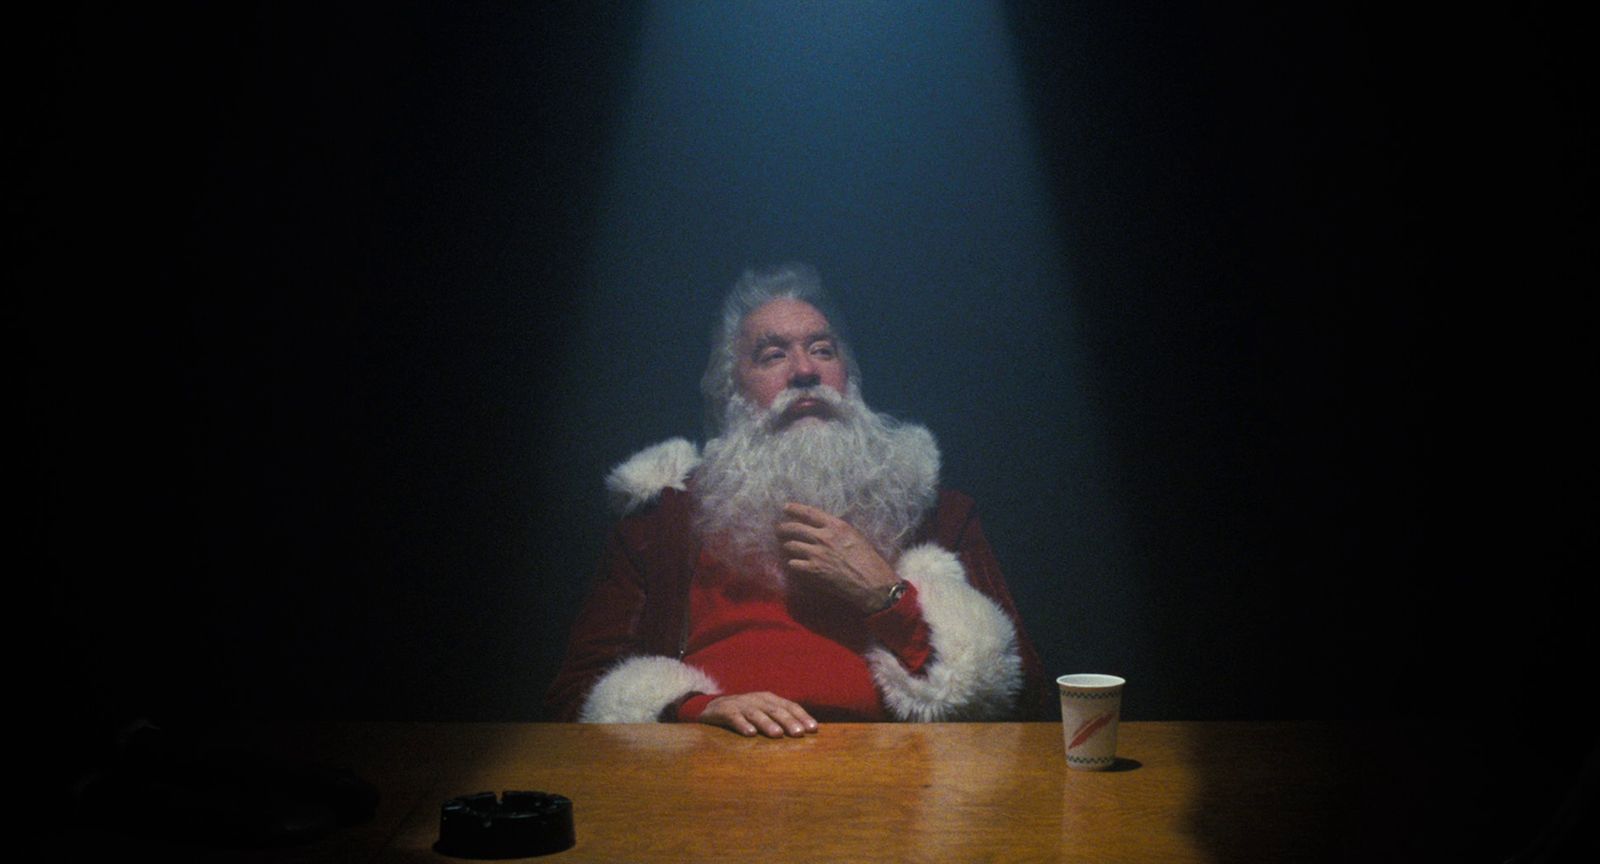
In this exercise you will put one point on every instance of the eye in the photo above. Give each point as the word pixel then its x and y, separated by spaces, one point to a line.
pixel 768 356
pixel 823 350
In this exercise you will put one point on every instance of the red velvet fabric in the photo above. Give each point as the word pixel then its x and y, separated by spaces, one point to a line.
pixel 753 636
pixel 639 603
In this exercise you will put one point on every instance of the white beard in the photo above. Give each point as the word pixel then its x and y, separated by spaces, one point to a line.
pixel 868 469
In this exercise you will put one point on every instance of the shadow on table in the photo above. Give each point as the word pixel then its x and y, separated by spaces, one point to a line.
pixel 1326 793
pixel 1265 792
pixel 1452 793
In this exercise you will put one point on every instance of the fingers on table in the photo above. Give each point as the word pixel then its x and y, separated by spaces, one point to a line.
pixel 769 715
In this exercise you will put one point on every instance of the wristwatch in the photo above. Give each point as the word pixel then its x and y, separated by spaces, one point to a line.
pixel 896 591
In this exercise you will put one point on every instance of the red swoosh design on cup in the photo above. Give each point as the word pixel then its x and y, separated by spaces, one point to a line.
pixel 1087 730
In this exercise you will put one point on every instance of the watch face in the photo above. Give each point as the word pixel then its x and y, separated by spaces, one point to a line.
pixel 896 592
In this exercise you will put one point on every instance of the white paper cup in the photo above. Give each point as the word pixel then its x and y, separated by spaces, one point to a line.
pixel 1090 708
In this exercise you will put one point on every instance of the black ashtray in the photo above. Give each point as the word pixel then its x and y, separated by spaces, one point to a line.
pixel 517 825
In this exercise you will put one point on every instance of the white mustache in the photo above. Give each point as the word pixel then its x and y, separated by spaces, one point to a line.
pixel 838 405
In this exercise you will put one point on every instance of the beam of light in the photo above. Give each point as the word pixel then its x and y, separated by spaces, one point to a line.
pixel 889 145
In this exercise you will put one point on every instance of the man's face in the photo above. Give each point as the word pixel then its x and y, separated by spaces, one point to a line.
pixel 787 343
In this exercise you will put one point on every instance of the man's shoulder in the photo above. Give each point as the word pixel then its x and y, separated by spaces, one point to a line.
pixel 642 478
pixel 954 499
pixel 952 511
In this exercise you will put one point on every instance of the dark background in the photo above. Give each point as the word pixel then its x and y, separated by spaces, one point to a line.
pixel 312 420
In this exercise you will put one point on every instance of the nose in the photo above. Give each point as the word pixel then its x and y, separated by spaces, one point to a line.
pixel 803 371
pixel 804 379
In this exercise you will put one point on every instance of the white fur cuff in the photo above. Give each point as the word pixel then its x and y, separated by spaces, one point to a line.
pixel 641 478
pixel 637 689
pixel 975 672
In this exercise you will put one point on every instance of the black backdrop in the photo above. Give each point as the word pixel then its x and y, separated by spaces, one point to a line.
pixel 296 293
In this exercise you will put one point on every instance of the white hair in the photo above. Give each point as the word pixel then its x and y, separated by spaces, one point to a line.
pixel 757 288
pixel 876 473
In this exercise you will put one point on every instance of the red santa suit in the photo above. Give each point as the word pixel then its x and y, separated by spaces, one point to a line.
pixel 666 626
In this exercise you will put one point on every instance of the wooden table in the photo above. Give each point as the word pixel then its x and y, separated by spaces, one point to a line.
pixel 852 792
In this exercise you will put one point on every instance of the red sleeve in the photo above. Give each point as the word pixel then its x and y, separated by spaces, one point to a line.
pixel 689 708
pixel 901 629
pixel 603 633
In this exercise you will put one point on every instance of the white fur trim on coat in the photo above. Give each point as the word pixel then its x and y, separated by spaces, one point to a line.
pixel 637 689
pixel 641 478
pixel 975 672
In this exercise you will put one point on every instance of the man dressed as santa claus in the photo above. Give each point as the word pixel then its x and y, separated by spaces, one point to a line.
pixel 805 568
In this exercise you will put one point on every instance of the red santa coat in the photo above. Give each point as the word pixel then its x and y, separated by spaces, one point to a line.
pixel 624 658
